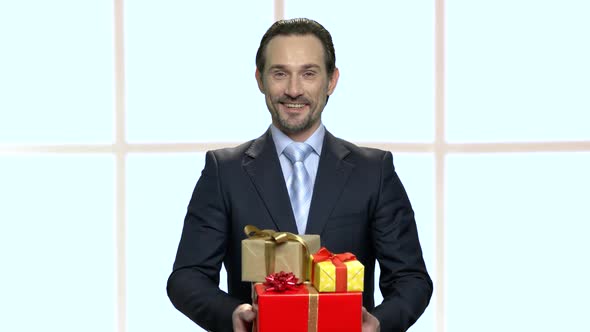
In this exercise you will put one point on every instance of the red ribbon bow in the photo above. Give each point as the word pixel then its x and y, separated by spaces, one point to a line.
pixel 324 254
pixel 280 282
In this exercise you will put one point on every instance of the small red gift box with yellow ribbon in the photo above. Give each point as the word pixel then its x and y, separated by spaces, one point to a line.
pixel 337 272
pixel 300 308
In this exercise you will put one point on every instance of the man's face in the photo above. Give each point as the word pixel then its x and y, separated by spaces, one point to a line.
pixel 295 83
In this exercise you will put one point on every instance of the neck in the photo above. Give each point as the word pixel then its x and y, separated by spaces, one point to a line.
pixel 300 137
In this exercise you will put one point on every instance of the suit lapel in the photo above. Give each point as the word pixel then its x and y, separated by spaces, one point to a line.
pixel 333 172
pixel 263 166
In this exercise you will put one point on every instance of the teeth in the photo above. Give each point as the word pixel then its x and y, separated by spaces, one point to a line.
pixel 295 105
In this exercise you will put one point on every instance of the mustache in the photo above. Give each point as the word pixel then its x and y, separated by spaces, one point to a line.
pixel 298 100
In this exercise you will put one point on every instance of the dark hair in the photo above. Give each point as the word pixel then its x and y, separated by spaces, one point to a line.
pixel 298 26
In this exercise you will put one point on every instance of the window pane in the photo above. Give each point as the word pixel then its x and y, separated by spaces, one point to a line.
pixel 190 70
pixel 159 189
pixel 518 70
pixel 385 53
pixel 57 243
pixel 56 71
pixel 517 229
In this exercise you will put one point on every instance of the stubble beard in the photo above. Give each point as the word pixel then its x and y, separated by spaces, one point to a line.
pixel 292 126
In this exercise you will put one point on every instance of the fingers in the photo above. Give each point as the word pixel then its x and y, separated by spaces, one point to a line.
pixel 247 315
pixel 242 318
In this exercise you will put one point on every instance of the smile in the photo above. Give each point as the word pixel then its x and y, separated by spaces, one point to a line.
pixel 294 105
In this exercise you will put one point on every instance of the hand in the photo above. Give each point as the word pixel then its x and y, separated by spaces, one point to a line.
pixel 242 318
pixel 370 322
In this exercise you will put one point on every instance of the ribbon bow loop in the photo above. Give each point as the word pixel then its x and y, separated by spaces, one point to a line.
pixel 324 254
pixel 254 232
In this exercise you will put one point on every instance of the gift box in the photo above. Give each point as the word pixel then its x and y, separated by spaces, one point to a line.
pixel 337 272
pixel 304 309
pixel 268 251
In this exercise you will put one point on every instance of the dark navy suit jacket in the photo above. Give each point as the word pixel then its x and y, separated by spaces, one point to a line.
pixel 359 205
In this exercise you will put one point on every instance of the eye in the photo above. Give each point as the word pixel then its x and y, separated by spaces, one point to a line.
pixel 309 74
pixel 279 74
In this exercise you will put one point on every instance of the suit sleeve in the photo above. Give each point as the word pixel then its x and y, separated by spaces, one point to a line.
pixel 193 286
pixel 404 281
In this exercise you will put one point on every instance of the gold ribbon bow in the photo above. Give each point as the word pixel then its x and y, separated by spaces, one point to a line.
pixel 272 238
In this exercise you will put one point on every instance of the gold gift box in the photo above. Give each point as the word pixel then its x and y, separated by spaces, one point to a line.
pixel 261 257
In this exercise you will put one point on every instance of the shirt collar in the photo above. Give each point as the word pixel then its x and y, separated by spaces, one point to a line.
pixel 316 140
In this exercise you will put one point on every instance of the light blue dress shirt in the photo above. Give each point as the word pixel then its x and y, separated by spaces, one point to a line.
pixel 316 141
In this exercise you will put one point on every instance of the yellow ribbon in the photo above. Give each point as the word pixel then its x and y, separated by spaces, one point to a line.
pixel 273 237
pixel 313 305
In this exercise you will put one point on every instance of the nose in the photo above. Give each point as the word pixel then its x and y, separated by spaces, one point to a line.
pixel 294 87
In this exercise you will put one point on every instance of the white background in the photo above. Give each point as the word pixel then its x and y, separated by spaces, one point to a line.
pixel 515 224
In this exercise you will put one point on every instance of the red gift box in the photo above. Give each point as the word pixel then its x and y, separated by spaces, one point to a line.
pixel 304 309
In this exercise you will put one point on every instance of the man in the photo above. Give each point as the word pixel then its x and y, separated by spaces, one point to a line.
pixel 351 196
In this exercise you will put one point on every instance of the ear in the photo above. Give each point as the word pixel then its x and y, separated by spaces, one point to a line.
pixel 333 81
pixel 258 76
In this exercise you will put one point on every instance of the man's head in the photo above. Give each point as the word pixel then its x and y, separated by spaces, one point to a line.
pixel 296 71
pixel 298 27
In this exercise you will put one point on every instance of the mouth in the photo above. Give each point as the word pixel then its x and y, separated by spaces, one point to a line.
pixel 293 105
pixel 294 108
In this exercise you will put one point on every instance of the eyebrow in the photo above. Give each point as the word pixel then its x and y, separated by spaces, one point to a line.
pixel 305 67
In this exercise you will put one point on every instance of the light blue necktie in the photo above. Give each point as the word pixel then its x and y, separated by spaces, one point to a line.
pixel 299 184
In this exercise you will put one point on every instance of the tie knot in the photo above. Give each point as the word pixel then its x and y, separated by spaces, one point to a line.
pixel 297 151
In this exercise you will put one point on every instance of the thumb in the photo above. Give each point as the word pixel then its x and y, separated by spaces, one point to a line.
pixel 365 314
